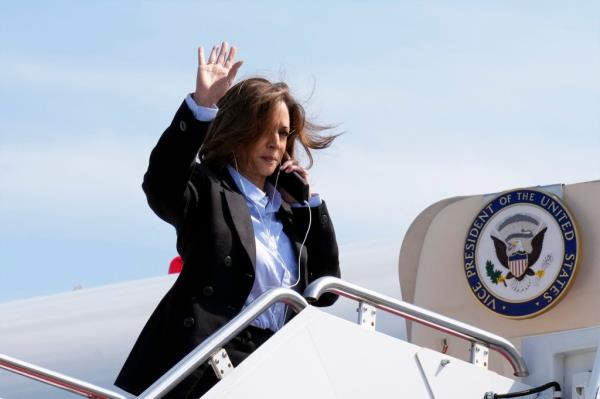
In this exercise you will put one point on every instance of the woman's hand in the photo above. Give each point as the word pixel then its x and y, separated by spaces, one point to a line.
pixel 216 76
pixel 290 166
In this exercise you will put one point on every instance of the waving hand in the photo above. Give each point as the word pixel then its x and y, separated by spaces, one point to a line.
pixel 216 75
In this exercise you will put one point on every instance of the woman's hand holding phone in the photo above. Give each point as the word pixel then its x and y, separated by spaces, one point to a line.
pixel 291 166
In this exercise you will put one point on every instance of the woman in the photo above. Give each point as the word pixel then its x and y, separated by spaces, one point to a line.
pixel 238 235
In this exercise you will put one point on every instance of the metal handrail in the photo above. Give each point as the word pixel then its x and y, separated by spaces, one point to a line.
pixel 56 379
pixel 178 372
pixel 423 316
pixel 219 338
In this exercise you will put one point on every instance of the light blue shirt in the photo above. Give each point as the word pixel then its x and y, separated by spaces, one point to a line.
pixel 204 114
pixel 276 259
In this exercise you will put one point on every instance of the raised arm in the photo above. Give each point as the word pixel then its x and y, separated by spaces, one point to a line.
pixel 166 182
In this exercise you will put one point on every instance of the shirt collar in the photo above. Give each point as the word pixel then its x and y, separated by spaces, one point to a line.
pixel 269 201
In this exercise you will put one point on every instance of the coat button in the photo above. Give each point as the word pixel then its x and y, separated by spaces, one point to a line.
pixel 208 290
pixel 227 261
pixel 182 126
pixel 249 275
pixel 324 219
pixel 188 322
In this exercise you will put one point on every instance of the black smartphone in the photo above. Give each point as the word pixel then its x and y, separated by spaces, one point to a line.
pixel 292 183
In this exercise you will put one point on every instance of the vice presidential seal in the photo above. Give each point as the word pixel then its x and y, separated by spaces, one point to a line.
pixel 521 253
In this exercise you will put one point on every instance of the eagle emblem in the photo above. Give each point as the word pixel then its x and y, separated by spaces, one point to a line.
pixel 521 253
pixel 518 242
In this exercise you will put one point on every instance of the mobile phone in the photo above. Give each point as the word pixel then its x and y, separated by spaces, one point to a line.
pixel 292 183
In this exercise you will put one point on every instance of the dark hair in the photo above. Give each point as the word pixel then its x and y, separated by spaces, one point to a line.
pixel 245 113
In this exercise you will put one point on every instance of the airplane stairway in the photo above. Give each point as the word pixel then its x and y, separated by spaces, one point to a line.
pixel 324 356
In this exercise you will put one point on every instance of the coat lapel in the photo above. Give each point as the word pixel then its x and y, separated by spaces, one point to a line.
pixel 240 215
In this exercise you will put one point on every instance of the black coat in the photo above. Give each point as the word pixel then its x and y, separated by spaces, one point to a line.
pixel 216 240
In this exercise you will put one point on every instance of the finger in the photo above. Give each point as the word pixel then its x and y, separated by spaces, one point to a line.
pixel 300 170
pixel 230 56
pixel 303 172
pixel 286 166
pixel 288 169
pixel 222 52
pixel 295 168
pixel 201 56
pixel 212 58
pixel 292 161
pixel 233 71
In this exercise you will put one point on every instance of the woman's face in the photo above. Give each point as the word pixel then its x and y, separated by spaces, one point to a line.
pixel 263 156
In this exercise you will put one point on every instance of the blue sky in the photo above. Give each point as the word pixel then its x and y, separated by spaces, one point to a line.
pixel 437 99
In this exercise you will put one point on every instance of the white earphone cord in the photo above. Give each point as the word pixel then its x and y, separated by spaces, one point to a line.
pixel 305 236
pixel 269 226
